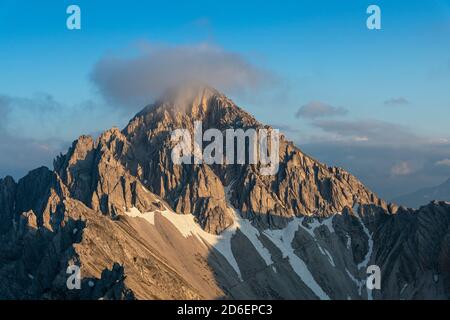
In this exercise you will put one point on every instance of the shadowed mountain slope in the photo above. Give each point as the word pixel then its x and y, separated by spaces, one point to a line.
pixel 140 226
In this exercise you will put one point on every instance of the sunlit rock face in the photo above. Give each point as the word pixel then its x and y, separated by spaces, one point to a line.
pixel 141 227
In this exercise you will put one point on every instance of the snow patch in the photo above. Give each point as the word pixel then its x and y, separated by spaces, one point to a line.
pixel 436 278
pixel 329 223
pixel 403 288
pixel 312 226
pixel 187 226
pixel 283 240
pixel 327 254
pixel 329 257
pixel 246 227
pixel 369 294
pixel 358 283
pixel 365 262
pixel 349 242
pixel 135 213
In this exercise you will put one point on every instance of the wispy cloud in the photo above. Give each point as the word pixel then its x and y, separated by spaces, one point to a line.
pixel 380 166
pixel 285 128
pixel 33 130
pixel 402 169
pixel 397 101
pixel 42 116
pixel 317 109
pixel 5 109
pixel 389 158
pixel 443 162
pixel 139 80
pixel 369 132
pixel 20 155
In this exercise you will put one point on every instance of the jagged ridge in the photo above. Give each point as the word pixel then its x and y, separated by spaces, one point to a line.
pixel 78 214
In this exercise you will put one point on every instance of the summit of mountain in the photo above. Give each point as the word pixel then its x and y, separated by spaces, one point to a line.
pixel 140 226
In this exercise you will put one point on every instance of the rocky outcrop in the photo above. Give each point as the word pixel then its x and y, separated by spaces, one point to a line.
pixel 95 174
pixel 112 256
pixel 140 227
pixel 301 186
pixel 412 250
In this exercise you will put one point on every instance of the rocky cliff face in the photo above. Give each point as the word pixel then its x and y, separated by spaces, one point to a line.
pixel 140 226
pixel 301 186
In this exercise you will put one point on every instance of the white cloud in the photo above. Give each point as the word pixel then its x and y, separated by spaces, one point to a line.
pixel 317 109
pixel 401 169
pixel 141 79
pixel 397 101
pixel 443 162
pixel 361 139
pixel 33 130
pixel 373 132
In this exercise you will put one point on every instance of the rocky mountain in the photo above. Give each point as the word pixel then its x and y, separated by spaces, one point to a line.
pixel 425 195
pixel 141 227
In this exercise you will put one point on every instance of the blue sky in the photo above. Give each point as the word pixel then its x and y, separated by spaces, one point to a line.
pixel 318 50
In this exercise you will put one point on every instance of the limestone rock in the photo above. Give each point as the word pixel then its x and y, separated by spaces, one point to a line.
pixel 140 227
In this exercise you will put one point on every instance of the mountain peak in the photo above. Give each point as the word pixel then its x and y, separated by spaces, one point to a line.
pixel 181 106
pixel 193 99
pixel 189 93
pixel 301 186
pixel 123 198
pixel 189 97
